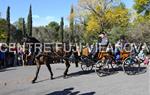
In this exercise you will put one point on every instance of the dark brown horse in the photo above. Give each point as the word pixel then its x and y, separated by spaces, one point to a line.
pixel 49 58
pixel 43 58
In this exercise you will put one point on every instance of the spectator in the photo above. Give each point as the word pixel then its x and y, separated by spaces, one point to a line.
pixel 2 57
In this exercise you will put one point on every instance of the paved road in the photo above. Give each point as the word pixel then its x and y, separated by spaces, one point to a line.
pixel 17 81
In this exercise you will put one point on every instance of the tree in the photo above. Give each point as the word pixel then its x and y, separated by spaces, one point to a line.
pixel 19 23
pixel 142 6
pixel 24 28
pixel 29 23
pixel 8 24
pixel 115 34
pixel 103 16
pixel 54 28
pixel 62 29
pixel 92 24
pixel 97 8
pixel 2 35
pixel 140 29
pixel 72 23
pixel 3 29
pixel 43 34
pixel 118 16
pixel 18 35
pixel 140 33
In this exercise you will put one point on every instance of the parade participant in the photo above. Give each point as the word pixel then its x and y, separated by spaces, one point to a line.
pixel 119 47
pixel 2 56
pixel 93 51
pixel 117 51
pixel 103 41
pixel 141 56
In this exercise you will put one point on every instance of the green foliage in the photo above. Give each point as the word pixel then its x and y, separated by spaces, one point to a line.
pixel 21 29
pixel 115 34
pixel 90 37
pixel 43 34
pixel 104 16
pixel 8 24
pixel 4 31
pixel 24 28
pixel 54 28
pixel 19 24
pixel 62 29
pixel 142 6
pixel 72 24
pixel 140 32
pixel 29 22
pixel 3 35
pixel 109 16
pixel 18 35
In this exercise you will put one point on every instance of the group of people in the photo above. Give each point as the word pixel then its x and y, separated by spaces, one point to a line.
pixel 11 59
pixel 117 48
pixel 8 59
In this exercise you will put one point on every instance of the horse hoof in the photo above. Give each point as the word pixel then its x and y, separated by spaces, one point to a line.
pixel 66 76
pixel 52 78
pixel 33 81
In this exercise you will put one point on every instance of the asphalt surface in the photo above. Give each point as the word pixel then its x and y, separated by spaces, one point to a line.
pixel 17 81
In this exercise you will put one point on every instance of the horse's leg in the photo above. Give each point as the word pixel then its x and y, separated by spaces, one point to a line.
pixel 50 70
pixel 67 68
pixel 37 71
pixel 76 63
pixel 76 60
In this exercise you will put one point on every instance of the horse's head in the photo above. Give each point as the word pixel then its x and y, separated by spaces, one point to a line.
pixel 25 40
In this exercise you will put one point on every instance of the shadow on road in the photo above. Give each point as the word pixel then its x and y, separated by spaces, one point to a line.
pixel 79 73
pixel 133 70
pixel 114 71
pixel 42 80
pixel 76 74
pixel 138 71
pixel 69 91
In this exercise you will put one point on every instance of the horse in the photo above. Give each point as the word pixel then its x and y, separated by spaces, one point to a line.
pixel 42 59
pixel 50 57
pixel 47 58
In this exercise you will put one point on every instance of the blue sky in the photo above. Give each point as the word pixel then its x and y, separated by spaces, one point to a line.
pixel 44 11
